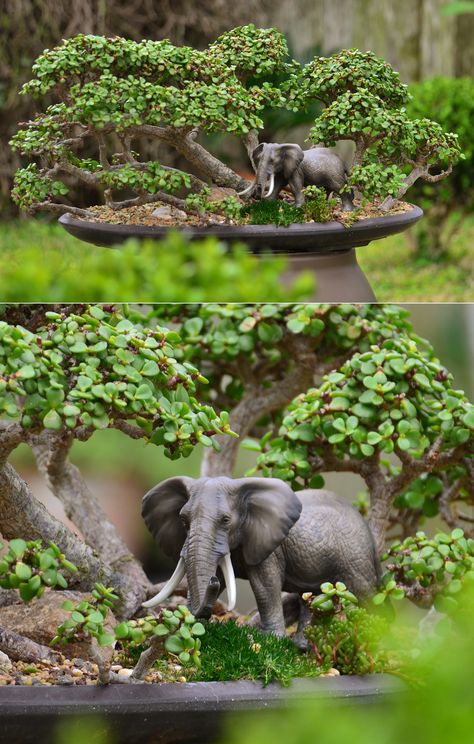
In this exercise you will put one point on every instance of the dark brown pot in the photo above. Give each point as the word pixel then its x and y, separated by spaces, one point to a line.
pixel 188 713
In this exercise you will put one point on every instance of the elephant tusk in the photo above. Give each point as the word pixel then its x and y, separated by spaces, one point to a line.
pixel 229 577
pixel 169 587
pixel 270 188
pixel 247 190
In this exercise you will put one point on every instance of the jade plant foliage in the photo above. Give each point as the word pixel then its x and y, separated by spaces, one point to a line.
pixel 115 92
pixel 448 204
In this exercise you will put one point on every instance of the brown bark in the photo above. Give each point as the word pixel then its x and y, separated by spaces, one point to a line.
pixel 259 400
pixel 19 648
pixel 83 508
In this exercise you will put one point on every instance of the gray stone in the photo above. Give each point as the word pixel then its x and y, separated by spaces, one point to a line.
pixel 5 663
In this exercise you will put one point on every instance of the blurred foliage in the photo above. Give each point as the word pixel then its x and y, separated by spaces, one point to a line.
pixel 431 571
pixel 42 263
pixel 398 274
pixel 449 203
pixel 438 710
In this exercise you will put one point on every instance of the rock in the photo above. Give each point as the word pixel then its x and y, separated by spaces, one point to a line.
pixel 220 192
pixel 5 663
pixel 162 212
pixel 331 673
pixel 124 672
pixel 40 618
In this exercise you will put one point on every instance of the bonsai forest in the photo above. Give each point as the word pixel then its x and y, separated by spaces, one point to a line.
pixel 120 109
pixel 306 390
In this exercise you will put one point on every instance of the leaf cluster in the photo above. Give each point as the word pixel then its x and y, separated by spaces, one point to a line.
pixel 178 629
pixel 344 636
pixel 428 570
pixel 87 618
pixel 395 397
pixel 31 568
pixel 96 369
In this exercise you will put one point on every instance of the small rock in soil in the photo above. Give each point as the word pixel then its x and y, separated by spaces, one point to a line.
pixel 5 662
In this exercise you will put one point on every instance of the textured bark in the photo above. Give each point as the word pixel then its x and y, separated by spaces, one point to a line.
pixel 85 511
pixel 22 515
pixel 259 400
pixel 19 648
pixel 147 659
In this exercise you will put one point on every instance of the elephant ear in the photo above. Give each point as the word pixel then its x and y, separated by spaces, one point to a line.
pixel 257 154
pixel 160 510
pixel 291 157
pixel 271 510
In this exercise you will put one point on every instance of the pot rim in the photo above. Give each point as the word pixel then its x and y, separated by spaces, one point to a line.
pixel 308 237
pixel 238 695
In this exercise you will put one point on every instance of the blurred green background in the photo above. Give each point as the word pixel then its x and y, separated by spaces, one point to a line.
pixel 422 39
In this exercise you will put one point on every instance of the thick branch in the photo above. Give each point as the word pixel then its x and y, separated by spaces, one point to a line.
pixel 208 164
pixel 21 515
pixel 19 648
pixel 56 208
pixel 85 511
pixel 147 658
pixel 148 199
pixel 258 401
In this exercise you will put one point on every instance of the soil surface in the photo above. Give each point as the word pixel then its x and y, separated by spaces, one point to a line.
pixel 163 215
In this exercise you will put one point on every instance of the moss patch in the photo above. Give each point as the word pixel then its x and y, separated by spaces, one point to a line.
pixel 232 652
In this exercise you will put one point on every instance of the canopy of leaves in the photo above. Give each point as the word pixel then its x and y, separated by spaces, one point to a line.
pixel 249 344
pixel 450 101
pixel 95 368
pixel 395 397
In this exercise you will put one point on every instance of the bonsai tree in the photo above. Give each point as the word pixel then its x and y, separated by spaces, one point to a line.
pixel 311 388
pixel 450 203
pixel 112 92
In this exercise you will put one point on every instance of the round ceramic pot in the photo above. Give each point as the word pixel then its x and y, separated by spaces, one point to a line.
pixel 189 713
pixel 327 249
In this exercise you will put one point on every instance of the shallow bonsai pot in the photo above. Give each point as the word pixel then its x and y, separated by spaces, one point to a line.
pixel 171 713
pixel 327 248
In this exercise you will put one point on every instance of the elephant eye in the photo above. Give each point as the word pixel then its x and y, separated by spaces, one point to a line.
pixel 185 521
pixel 226 519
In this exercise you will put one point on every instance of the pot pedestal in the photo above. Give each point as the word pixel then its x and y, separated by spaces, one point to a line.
pixel 327 249
pixel 338 276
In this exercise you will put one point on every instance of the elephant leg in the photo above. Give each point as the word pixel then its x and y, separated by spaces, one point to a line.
pixel 296 185
pixel 347 201
pixel 266 581
pixel 299 638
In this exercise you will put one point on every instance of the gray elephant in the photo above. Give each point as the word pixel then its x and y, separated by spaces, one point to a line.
pixel 258 529
pixel 280 165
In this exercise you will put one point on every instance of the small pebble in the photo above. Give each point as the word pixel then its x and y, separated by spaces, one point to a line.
pixel 125 672
pixel 5 662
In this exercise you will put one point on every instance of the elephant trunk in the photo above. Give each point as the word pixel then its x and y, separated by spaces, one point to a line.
pixel 262 175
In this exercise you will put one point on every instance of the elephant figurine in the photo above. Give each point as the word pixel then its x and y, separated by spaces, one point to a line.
pixel 258 529
pixel 280 165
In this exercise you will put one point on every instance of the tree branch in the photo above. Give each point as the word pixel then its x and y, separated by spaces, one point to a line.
pixel 83 508
pixel 259 400
pixel 19 648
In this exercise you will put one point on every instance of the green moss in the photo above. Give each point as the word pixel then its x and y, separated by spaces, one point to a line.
pixel 273 212
pixel 232 652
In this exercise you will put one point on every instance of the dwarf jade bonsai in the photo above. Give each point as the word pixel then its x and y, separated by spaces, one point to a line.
pixel 311 388
pixel 110 95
